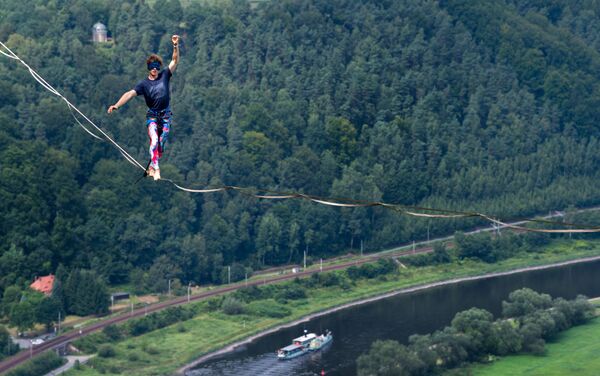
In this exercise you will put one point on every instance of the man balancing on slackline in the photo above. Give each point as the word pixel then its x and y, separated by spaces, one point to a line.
pixel 155 89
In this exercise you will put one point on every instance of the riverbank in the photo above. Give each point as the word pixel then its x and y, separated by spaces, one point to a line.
pixel 184 345
pixel 233 346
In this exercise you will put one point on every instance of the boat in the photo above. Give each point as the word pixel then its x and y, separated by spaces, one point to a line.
pixel 302 345
pixel 320 341
pixel 298 347
pixel 291 351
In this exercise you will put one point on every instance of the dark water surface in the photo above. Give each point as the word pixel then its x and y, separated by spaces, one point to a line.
pixel 397 317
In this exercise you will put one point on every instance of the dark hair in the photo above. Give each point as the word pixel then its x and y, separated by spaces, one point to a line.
pixel 152 58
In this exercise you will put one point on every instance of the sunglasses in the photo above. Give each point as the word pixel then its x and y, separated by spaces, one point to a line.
pixel 154 65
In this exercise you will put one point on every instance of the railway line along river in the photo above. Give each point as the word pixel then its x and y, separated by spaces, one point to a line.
pixel 421 310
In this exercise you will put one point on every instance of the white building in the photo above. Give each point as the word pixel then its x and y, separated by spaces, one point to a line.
pixel 99 33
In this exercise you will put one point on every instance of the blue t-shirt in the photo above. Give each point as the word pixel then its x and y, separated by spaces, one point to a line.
pixel 156 92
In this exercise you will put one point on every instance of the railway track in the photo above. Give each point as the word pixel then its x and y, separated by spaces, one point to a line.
pixel 64 339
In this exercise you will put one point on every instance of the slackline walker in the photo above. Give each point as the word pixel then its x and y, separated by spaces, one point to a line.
pixel 157 144
pixel 156 92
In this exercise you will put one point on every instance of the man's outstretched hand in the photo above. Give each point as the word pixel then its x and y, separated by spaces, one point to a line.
pixel 112 108
pixel 175 39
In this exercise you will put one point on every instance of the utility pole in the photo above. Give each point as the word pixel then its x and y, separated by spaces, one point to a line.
pixel 189 290
pixel 321 264
pixel 361 248
pixel 246 279
pixel 169 294
pixel 304 259
pixel 229 275
pixel 58 323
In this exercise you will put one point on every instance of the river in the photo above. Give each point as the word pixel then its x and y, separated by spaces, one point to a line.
pixel 397 318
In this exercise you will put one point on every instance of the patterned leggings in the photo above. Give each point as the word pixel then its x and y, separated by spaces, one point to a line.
pixel 158 131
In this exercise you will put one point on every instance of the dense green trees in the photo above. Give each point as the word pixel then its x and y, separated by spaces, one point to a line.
pixel 7 347
pixel 80 292
pixel 388 358
pixel 529 318
pixel 487 106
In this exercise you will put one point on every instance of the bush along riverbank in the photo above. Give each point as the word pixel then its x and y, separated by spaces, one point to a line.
pixel 528 320
pixel 163 342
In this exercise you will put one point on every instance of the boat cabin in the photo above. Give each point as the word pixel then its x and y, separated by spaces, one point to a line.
pixel 304 340
pixel 290 351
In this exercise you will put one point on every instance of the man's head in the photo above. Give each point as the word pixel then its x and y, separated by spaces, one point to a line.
pixel 154 62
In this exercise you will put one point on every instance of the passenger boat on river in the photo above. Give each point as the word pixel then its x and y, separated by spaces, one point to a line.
pixel 302 345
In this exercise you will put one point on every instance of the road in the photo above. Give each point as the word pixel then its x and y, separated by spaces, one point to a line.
pixel 70 364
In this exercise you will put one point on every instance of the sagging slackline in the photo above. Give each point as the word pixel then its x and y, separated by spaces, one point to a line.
pixel 155 89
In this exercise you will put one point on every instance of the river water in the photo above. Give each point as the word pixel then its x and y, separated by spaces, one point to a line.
pixel 396 317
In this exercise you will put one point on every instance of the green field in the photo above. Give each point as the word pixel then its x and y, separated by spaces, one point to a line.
pixel 574 352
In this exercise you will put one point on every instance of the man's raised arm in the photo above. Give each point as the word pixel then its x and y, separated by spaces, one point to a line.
pixel 175 59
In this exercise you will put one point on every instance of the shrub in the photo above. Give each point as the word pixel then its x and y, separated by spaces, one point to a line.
pixel 106 351
pixel 232 306
pixel 151 350
pixel 248 294
pixel 133 356
pixel 89 344
pixel 440 254
pixel 269 308
pixel 40 365
pixel 329 279
pixel 353 272
pixel 214 303
pixel 112 332
pixel 292 292
pixel 418 260
pixel 139 327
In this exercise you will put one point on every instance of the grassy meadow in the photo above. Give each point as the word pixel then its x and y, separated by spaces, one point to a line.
pixel 573 352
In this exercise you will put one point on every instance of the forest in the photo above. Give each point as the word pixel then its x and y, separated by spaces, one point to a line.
pixel 488 106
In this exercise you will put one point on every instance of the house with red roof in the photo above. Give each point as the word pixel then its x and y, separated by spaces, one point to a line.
pixel 43 284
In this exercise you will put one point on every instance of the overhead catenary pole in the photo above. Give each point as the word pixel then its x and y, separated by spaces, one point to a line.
pixel 305 259
pixel 361 247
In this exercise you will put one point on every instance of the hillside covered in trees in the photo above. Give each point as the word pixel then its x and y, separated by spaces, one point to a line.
pixel 491 106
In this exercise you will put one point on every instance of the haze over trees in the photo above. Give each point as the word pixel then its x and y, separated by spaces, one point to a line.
pixel 490 106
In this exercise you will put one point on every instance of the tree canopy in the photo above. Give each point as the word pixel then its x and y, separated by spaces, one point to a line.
pixel 490 106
